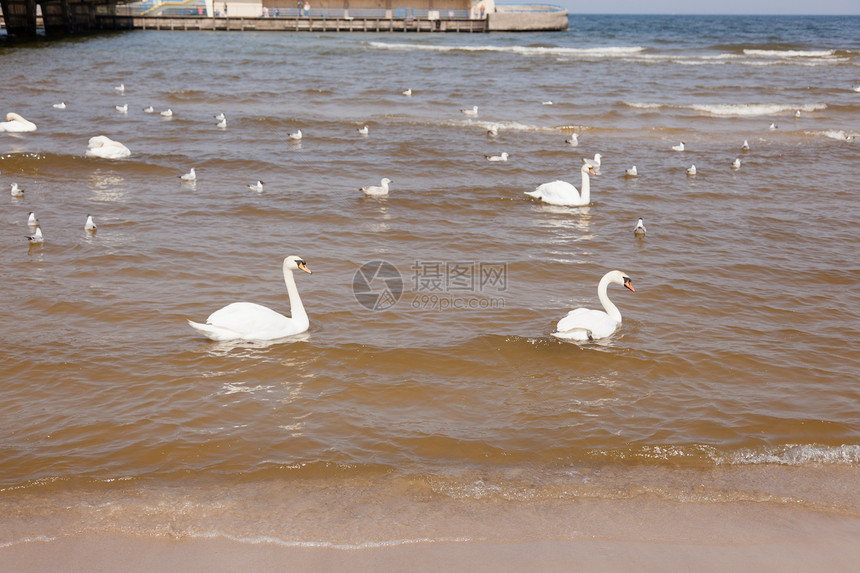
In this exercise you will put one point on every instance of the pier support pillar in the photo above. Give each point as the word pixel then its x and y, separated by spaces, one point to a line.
pixel 20 17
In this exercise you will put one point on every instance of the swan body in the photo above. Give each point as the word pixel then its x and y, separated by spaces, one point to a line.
pixel 122 108
pixel 363 130
pixel 61 105
pixel 573 140
pixel 37 236
pixel 631 172
pixel 377 190
pixel 470 112
pixel 588 324
pixel 254 322
pixel 189 177
pixel 296 135
pixel 679 147
pixel 167 113
pixel 90 225
pixel 502 157
pixel 15 190
pixel 639 230
pixel 258 187
pixel 32 221
pixel 106 148
pixel 691 171
pixel 563 193
pixel 16 124
pixel 736 164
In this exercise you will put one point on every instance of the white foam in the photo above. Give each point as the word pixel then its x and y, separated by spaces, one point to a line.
pixel 795 455
pixel 790 53
pixel 607 52
pixel 831 133
pixel 734 110
pixel 268 540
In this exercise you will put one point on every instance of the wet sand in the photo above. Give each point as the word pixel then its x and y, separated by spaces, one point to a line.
pixel 651 536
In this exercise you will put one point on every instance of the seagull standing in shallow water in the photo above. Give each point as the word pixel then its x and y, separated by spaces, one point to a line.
pixel 745 146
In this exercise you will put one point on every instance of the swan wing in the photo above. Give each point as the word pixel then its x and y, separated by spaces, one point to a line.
pixel 556 193
pixel 248 321
pixel 578 323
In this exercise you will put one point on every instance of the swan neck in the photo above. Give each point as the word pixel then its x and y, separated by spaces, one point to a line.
pixel 610 308
pixel 297 309
pixel 585 196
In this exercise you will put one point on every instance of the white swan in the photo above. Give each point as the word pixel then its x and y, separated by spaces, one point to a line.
pixel 377 190
pixel 563 193
pixel 258 187
pixel 90 225
pixel 37 236
pixel 589 324
pixel 679 147
pixel 639 230
pixel 16 124
pixel 250 321
pixel 503 157
pixel 631 172
pixel 106 148
pixel 189 177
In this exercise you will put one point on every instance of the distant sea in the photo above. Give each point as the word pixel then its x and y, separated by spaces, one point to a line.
pixel 429 400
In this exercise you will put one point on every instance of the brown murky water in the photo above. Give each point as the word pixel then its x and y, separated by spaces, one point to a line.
pixel 733 376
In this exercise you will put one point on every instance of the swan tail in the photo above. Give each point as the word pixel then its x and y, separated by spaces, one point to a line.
pixel 574 334
pixel 212 332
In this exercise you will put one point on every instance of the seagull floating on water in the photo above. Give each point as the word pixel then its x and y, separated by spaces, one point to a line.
pixel 797 114
pixel 745 146
pixel 547 102
pixel 407 92
pixel 37 236
pixel 32 220
pixel 149 109
pixel 736 164
pixel 679 147
pixel 773 126
pixel 16 191
pixel 90 225
pixel 632 173
pixel 501 157
pixel 258 187
pixel 61 105
pixel 296 135
pixel 691 170
pixel 167 113
pixel 363 130
pixel 122 108
pixel 377 190
pixel 595 163
pixel 639 230
pixel 189 177
pixel 120 88
pixel 573 140
pixel 470 112
pixel 493 131
pixel 16 124
pixel 222 124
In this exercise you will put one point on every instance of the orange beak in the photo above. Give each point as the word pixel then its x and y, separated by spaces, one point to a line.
pixel 304 267
pixel 629 285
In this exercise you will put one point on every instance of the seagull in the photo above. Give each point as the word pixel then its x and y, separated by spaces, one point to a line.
pixel 149 109
pixel 573 140
pixel 773 126
pixel 736 164
pixel 167 113
pixel 857 88
pixel 16 191
pixel 296 135
pixel 503 157
pixel 120 88
pixel 849 139
pixel 122 108
pixel 189 177
pixel 493 131
pixel 691 171
pixel 32 220
pixel 632 173
pixel 594 163
pixel 90 226
pixel 258 187
pixel 377 190
pixel 470 112
pixel 61 105
pixel 639 230
pixel 679 147
pixel 363 130
pixel 745 146
pixel 797 114
pixel 221 116
pixel 222 124
pixel 547 102
pixel 407 92
pixel 36 237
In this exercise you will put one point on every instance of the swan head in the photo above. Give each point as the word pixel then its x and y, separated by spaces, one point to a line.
pixel 587 167
pixel 620 278
pixel 295 263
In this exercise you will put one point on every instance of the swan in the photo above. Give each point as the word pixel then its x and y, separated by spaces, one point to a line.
pixel 122 108
pixel 691 170
pixel 377 190
pixel 16 124
pixel 639 229
pixel 563 193
pixel 573 140
pixel 745 146
pixel 90 225
pixel 470 112
pixel 258 187
pixel 15 190
pixel 37 236
pixel 736 164
pixel 407 92
pixel 631 172
pixel 503 157
pixel 189 177
pixel 363 130
pixel 106 148
pixel 61 105
pixel 589 324
pixel 167 113
pixel 296 135
pixel 32 221
pixel 250 321
pixel 679 147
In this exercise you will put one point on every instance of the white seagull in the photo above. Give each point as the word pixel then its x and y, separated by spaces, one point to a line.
pixel 149 109
pixel 363 130
pixel 745 146
pixel 220 116
pixel 639 229
pixel 493 131
pixel 16 124
pixel 773 126
pixel 16 191
pixel 377 190
pixel 32 221
pixel 167 113
pixel 631 172
pixel 37 236
pixel 407 92
pixel 61 105
pixel 222 124
pixel 594 162
pixel 547 102
pixel 691 170
pixel 120 88
pixel 573 140
pixel 470 112
pixel 296 135
pixel 106 148
pixel 189 177
pixel 736 164
pixel 797 114
pixel 679 147
pixel 258 187
pixel 502 157
pixel 90 225
pixel 122 108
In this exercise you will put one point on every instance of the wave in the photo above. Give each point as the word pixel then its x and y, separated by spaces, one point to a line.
pixel 831 133
pixel 607 52
pixel 795 455
pixel 734 110
pixel 790 53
